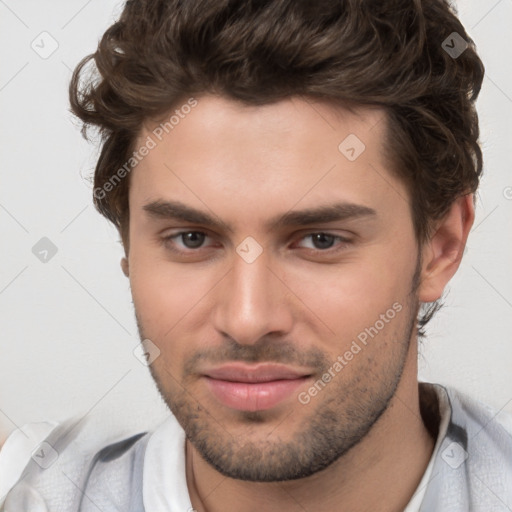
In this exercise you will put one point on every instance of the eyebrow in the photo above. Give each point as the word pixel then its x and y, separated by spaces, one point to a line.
pixel 176 210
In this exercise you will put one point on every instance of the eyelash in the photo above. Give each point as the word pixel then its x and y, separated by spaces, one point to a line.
pixel 168 242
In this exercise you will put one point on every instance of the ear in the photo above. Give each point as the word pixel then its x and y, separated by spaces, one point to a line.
pixel 442 253
pixel 124 266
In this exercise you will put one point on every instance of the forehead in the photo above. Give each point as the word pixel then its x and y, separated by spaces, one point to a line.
pixel 285 123
pixel 224 155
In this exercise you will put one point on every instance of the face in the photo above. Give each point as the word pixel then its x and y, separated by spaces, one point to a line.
pixel 274 270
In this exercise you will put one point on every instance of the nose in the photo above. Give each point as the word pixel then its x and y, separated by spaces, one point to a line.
pixel 253 301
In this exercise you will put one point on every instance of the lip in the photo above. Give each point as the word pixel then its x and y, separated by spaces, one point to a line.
pixel 263 372
pixel 253 388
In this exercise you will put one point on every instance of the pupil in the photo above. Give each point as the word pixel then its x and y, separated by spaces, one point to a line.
pixel 323 241
pixel 193 239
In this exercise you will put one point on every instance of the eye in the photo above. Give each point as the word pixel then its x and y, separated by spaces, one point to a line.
pixel 191 241
pixel 188 240
pixel 322 241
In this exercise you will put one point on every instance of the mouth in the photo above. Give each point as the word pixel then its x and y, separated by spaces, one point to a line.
pixel 253 387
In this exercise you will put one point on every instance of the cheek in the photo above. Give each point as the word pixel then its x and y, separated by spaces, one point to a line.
pixel 351 297
pixel 166 305
pixel 161 305
pixel 164 293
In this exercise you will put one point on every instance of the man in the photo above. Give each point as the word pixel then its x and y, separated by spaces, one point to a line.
pixel 293 185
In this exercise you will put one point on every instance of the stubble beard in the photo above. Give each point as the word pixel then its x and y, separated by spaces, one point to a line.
pixel 339 418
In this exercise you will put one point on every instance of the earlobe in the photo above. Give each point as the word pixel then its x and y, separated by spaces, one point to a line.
pixel 442 254
pixel 124 266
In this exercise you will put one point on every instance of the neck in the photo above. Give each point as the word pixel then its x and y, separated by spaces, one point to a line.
pixel 381 472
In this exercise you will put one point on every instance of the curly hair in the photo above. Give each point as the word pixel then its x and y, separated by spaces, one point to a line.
pixel 391 54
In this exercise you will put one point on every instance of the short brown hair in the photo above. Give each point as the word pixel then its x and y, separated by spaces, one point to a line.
pixel 390 54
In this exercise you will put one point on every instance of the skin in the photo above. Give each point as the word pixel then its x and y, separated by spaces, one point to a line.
pixel 299 303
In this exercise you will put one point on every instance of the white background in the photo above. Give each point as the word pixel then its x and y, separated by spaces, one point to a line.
pixel 67 326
